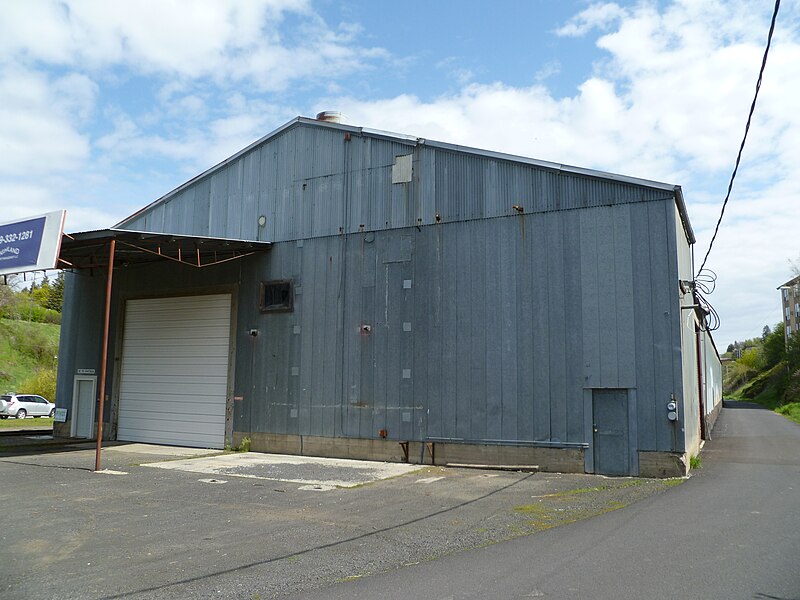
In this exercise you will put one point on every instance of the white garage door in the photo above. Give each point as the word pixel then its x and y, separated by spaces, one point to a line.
pixel 174 375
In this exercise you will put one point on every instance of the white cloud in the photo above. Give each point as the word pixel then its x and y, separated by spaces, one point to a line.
pixel 20 200
pixel 222 41
pixel 668 103
pixel 199 146
pixel 37 134
pixel 62 65
pixel 548 70
pixel 597 16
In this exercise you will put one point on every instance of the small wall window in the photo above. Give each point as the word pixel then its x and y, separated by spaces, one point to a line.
pixel 277 296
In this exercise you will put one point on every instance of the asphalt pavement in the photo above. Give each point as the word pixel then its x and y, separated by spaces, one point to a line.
pixel 732 531
pixel 168 523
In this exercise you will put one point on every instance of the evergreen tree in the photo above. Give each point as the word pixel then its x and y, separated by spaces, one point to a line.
pixel 56 298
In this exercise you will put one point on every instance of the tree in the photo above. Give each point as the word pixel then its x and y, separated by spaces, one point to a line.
pixel 41 293
pixel 752 359
pixel 765 333
pixel 793 353
pixel 56 299
pixel 774 347
pixel 792 393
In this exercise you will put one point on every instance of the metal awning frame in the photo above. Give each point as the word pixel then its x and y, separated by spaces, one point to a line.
pixel 87 250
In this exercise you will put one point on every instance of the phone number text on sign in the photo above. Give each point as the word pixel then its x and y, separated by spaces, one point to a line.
pixel 20 236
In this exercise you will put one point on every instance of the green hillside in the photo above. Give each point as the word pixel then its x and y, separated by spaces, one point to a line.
pixel 28 360
pixel 767 372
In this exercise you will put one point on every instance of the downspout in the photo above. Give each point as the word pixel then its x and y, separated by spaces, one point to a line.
pixel 701 400
pixel 698 330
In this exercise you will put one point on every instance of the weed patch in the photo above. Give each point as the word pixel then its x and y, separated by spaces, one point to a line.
pixel 790 411
pixel 673 482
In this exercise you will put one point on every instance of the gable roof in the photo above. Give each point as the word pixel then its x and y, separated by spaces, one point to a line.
pixel 791 282
pixel 414 141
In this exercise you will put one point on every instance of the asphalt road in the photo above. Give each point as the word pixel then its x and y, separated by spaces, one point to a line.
pixel 240 526
pixel 731 531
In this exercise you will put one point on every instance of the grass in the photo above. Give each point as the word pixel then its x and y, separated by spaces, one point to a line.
pixel 769 390
pixel 532 509
pixel 12 423
pixel 695 463
pixel 674 481
pixel 24 348
pixel 790 411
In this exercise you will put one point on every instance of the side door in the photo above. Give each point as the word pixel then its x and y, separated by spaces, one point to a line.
pixel 610 428
pixel 31 405
pixel 40 404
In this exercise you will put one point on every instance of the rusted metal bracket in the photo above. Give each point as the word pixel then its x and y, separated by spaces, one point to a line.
pixel 404 446
pixel 431 446
pixel 432 451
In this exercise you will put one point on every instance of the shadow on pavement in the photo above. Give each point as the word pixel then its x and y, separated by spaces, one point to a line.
pixel 742 404
pixel 21 443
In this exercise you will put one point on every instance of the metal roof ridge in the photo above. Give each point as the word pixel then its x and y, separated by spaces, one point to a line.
pixel 595 173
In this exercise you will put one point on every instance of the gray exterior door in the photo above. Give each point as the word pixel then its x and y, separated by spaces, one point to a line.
pixel 610 418
pixel 83 411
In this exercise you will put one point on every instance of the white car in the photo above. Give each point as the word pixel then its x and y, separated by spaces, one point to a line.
pixel 25 405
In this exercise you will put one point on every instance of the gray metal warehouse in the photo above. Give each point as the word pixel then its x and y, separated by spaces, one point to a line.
pixel 337 291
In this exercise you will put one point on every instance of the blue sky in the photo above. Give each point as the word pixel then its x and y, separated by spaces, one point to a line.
pixel 106 106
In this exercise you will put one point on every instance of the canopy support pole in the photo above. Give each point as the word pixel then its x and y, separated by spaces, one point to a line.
pixel 104 362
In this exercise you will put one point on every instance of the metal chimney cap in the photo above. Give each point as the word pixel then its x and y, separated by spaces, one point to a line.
pixel 330 116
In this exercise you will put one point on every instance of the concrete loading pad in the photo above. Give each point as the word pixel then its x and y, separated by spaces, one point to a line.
pixel 309 472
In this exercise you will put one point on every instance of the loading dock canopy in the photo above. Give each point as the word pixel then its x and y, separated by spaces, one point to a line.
pixel 90 249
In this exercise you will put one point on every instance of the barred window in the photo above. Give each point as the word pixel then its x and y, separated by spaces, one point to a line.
pixel 277 296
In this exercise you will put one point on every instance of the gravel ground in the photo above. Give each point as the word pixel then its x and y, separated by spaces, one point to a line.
pixel 154 533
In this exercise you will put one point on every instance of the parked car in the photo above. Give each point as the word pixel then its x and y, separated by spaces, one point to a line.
pixel 25 405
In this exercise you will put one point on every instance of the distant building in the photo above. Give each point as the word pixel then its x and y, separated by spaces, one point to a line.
pixel 337 291
pixel 790 302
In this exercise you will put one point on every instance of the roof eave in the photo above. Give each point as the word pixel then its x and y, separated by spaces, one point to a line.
pixel 681 203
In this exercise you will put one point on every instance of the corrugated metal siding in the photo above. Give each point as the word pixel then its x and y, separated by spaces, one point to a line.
pixel 687 354
pixel 310 182
pixel 510 320
pixel 512 317
pixel 712 373
pixel 80 342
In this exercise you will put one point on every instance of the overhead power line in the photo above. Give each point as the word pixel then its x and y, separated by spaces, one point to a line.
pixel 746 129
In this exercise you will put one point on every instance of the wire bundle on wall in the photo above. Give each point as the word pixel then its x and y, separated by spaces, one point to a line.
pixel 704 285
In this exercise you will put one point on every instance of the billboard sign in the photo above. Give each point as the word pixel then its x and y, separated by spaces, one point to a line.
pixel 31 244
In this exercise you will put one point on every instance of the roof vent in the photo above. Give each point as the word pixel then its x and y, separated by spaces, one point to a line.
pixel 330 116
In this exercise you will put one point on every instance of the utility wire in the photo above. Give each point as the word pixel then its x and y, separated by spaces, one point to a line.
pixel 746 129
